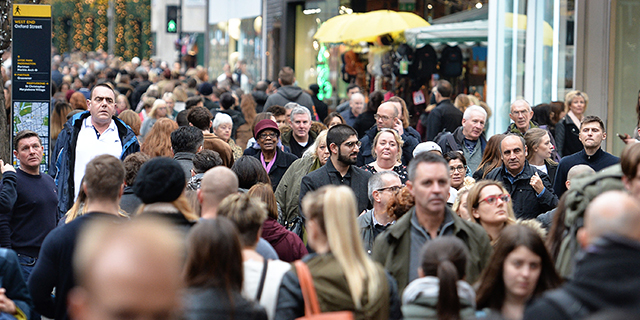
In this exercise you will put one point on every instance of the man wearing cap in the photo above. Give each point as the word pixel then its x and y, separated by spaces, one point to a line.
pixel 288 92
pixel 103 185
pixel 85 136
pixel 428 146
pixel 274 161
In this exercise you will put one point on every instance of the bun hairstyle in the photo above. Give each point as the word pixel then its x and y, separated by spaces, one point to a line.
pixel 446 259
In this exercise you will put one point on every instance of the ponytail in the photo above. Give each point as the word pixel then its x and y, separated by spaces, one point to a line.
pixel 448 306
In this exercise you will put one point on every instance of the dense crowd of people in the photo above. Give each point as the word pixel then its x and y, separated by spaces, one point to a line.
pixel 172 196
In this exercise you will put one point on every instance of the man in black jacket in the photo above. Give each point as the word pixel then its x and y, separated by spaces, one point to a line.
pixel 530 188
pixel 344 146
pixel 607 275
pixel 445 115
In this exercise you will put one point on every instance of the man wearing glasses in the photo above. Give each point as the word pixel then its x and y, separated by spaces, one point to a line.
pixel 382 187
pixel 85 136
pixel 387 117
pixel 340 169
pixel 530 188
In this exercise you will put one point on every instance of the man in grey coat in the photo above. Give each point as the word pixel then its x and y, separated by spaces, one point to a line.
pixel 382 186
pixel 288 92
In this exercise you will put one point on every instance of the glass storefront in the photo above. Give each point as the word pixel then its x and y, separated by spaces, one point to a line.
pixel 626 79
pixel 531 45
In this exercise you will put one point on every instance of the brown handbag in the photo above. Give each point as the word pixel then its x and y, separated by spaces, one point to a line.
pixel 311 306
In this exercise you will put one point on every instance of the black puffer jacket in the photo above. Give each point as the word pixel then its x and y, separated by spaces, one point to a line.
pixel 526 203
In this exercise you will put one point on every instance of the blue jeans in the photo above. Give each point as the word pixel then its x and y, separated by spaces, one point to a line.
pixel 26 265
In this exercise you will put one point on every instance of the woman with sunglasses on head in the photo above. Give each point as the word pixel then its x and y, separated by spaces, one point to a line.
pixel 489 204
pixel 387 152
pixel 274 161
pixel 520 269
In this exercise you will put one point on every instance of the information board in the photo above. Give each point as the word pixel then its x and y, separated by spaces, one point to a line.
pixel 31 72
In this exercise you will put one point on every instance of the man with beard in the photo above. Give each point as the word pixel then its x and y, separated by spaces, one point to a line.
pixel 530 188
pixel 344 146
pixel 398 247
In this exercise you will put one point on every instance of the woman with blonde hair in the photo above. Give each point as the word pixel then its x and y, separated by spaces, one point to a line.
pixel 489 204
pixel 345 278
pixel 568 129
pixel 158 141
pixel 387 152
pixel 462 102
pixel 158 110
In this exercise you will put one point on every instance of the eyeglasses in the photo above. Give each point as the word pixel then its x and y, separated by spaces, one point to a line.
pixel 265 135
pixel 491 200
pixel 100 99
pixel 353 144
pixel 392 188
pixel 378 117
pixel 520 113
pixel 460 169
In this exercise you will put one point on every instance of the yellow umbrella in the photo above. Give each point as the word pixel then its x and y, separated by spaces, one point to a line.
pixel 367 26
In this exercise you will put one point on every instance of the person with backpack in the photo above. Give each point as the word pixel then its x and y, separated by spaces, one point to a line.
pixel 468 138
pixel 608 275
pixel 445 116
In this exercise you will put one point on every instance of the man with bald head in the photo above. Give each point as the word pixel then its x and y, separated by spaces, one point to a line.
pixel 607 276
pixel 132 269
pixel 530 189
pixel 387 117
pixel 356 108
pixel 218 183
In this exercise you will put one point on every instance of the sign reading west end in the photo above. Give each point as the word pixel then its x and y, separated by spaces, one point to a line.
pixel 31 72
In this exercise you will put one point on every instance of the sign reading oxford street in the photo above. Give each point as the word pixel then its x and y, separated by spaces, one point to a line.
pixel 31 72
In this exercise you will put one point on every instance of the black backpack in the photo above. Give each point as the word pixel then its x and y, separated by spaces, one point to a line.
pixel 445 138
pixel 424 63
pixel 451 62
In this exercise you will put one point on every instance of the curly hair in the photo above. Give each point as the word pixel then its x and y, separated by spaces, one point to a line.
pixel 400 203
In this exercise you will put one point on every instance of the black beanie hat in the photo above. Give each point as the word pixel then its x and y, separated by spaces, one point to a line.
pixel 159 180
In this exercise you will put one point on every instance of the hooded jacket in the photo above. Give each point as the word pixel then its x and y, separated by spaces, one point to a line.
pixel 607 277
pixel 63 156
pixel 420 299
pixel 288 94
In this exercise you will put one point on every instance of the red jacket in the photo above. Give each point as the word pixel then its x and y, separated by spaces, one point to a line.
pixel 286 243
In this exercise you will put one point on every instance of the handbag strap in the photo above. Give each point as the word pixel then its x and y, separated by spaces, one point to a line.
pixel 263 277
pixel 311 305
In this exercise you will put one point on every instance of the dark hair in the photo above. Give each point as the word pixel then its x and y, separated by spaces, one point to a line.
pixel 23 135
pixel 542 115
pixel 205 160
pixel 186 139
pixel 330 117
pixel 453 155
pixel 193 101
pixel 557 108
pixel 558 228
pixel 491 158
pixel 590 119
pixel 214 256
pixel 249 172
pixel 264 192
pixel 286 76
pixel 103 177
pixel 227 100
pixel 509 135
pixel 446 259
pixel 444 88
pixel 132 164
pixel 277 110
pixel 375 100
pixel 200 117
pixel 491 293
pixel 353 86
pixel 629 160
pixel 338 134
pixel 181 118
pixel 425 157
